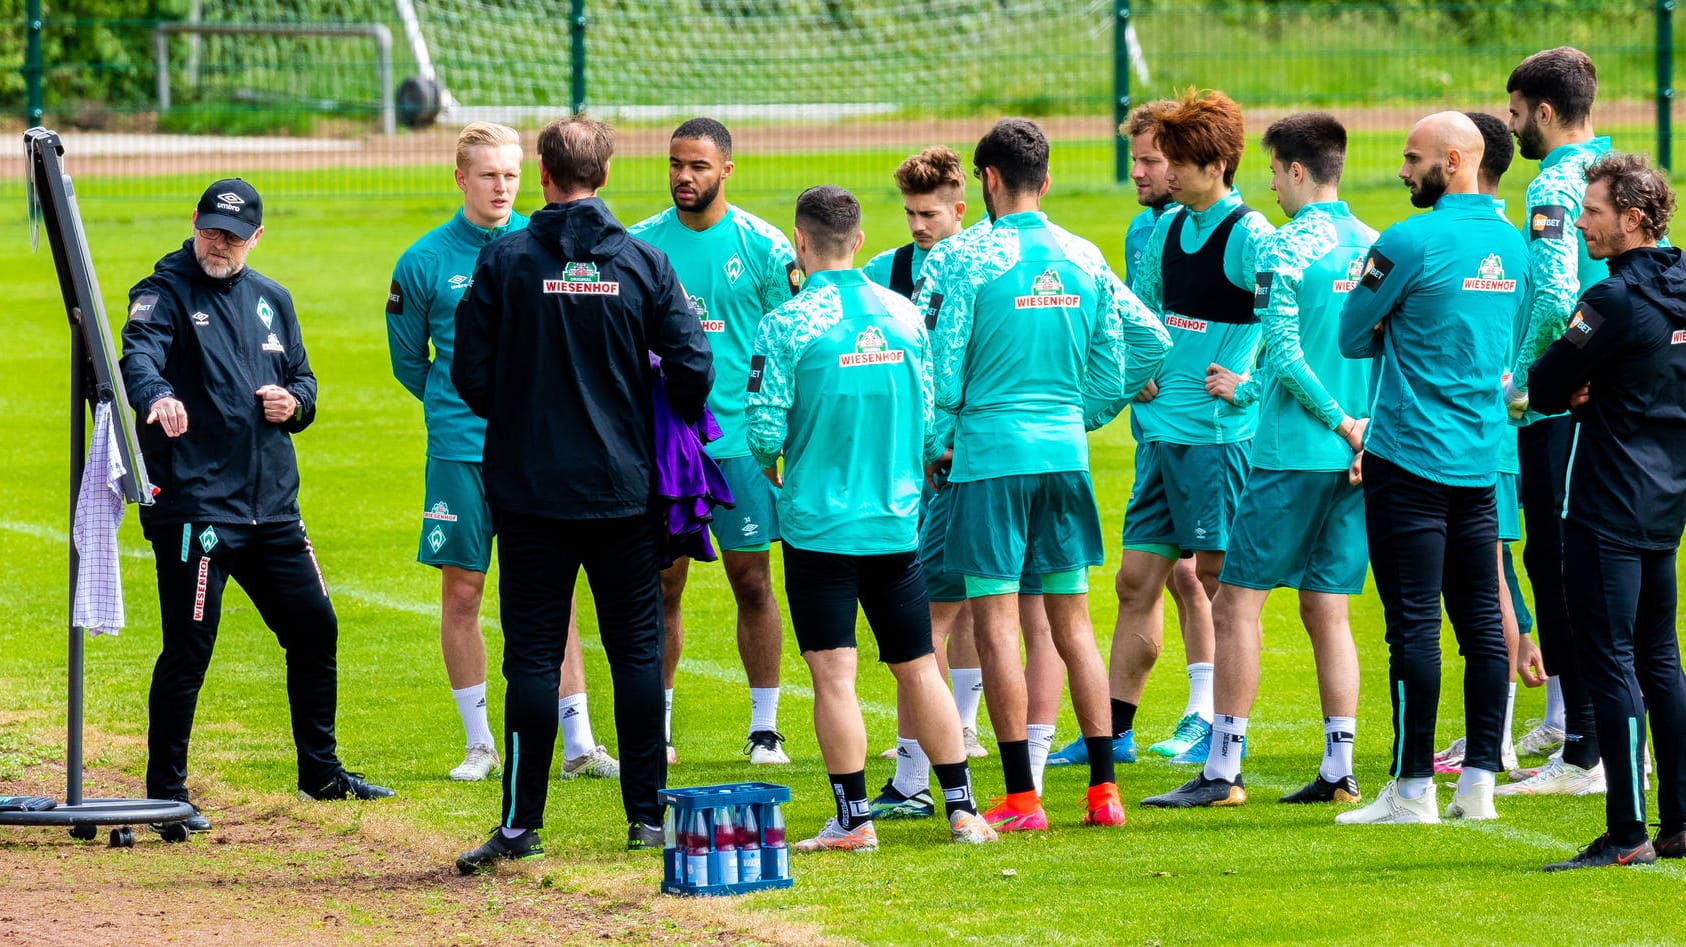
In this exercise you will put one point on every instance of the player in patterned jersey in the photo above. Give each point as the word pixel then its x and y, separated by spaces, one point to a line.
pixel 934 199
pixel 842 389
pixel 1433 309
pixel 1197 274
pixel 1551 95
pixel 456 534
pixel 1496 156
pixel 1300 522
pixel 1030 349
pixel 1148 171
pixel 736 268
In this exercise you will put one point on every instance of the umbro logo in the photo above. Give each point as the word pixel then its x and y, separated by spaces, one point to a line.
pixel 459 281
pixel 229 197
pixel 201 319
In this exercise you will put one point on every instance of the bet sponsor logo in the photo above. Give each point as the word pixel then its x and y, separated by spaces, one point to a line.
pixel 1174 321
pixel 582 279
pixel 1261 290
pixel 1549 222
pixel 1047 292
pixel 395 300
pixel 1490 277
pixel 1582 324
pixel 871 349
pixel 1376 269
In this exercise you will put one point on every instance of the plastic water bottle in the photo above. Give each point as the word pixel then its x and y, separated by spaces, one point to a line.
pixel 725 847
pixel 696 850
pixel 671 862
pixel 749 845
pixel 775 856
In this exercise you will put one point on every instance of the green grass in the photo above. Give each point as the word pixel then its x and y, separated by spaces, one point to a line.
pixel 1264 873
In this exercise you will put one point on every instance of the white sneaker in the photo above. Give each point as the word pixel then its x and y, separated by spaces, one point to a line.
pixel 1540 740
pixel 1558 778
pixel 1475 804
pixel 672 757
pixel 481 762
pixel 834 838
pixel 1453 755
pixel 597 764
pixel 1507 754
pixel 766 747
pixel 974 749
pixel 889 754
pixel 969 828
pixel 1390 808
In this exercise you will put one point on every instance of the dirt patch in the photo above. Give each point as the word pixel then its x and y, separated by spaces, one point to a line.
pixel 267 876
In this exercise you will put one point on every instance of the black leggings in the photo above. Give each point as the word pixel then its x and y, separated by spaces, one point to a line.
pixel 823 589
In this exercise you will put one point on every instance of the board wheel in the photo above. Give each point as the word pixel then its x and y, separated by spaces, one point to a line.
pixel 174 832
pixel 83 832
pixel 123 837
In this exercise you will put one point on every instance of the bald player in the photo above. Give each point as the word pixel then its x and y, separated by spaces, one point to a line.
pixel 1434 309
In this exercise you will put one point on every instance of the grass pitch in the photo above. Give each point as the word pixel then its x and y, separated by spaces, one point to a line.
pixel 1263 873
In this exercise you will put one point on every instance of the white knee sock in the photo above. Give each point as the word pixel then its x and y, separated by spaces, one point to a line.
pixel 1228 737
pixel 1338 734
pixel 576 726
pixel 471 707
pixel 763 708
pixel 1554 703
pixel 1200 691
pixel 968 692
pixel 667 714
pixel 913 768
pixel 1507 744
pixel 1041 737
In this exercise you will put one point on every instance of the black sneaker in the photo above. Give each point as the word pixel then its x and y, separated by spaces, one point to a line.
pixel 346 785
pixel 1604 852
pixel 193 823
pixel 1670 846
pixel 525 845
pixel 1344 790
pixel 1201 791
pixel 766 746
pixel 640 836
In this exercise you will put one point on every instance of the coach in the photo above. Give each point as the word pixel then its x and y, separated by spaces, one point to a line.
pixel 1435 305
pixel 552 343
pixel 1625 498
pixel 215 366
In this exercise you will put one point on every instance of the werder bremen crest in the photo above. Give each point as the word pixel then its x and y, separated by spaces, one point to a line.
pixel 266 312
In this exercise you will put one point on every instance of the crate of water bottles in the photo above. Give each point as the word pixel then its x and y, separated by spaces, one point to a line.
pixel 725 839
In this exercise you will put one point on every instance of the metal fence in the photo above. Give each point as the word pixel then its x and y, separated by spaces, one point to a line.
pixel 854 84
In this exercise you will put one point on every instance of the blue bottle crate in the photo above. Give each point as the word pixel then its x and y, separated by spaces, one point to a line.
pixel 701 873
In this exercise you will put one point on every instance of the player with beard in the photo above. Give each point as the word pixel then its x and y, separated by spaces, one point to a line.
pixel 1433 309
pixel 1551 95
pixel 736 268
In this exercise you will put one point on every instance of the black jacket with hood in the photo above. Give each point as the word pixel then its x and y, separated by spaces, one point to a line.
pixel 551 346
pixel 1627 338
pixel 211 344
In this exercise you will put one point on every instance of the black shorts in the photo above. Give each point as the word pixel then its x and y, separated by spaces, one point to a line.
pixel 823 589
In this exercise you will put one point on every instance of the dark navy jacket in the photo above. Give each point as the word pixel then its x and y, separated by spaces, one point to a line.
pixel 552 349
pixel 1627 337
pixel 211 344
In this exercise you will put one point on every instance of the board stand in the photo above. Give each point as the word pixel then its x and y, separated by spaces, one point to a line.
pixel 93 380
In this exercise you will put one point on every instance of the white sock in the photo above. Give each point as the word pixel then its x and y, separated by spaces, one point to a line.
pixel 576 726
pixel 1507 744
pixel 667 711
pixel 512 833
pixel 763 708
pixel 1229 735
pixel 1041 738
pixel 471 707
pixel 968 693
pixel 1413 787
pixel 1200 691
pixel 1472 777
pixel 913 767
pixel 1554 703
pixel 1338 734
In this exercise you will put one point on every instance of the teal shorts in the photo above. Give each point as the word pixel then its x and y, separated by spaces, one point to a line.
pixel 752 524
pixel 1004 527
pixel 942 585
pixel 1507 500
pixel 1298 529
pixel 1185 495
pixel 456 523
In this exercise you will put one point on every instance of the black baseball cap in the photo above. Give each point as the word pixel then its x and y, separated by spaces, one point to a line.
pixel 232 205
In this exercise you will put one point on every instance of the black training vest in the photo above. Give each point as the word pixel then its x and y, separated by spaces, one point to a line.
pixel 1187 286
pixel 901 271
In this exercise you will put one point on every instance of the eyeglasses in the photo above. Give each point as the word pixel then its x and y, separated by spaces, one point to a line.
pixel 218 235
